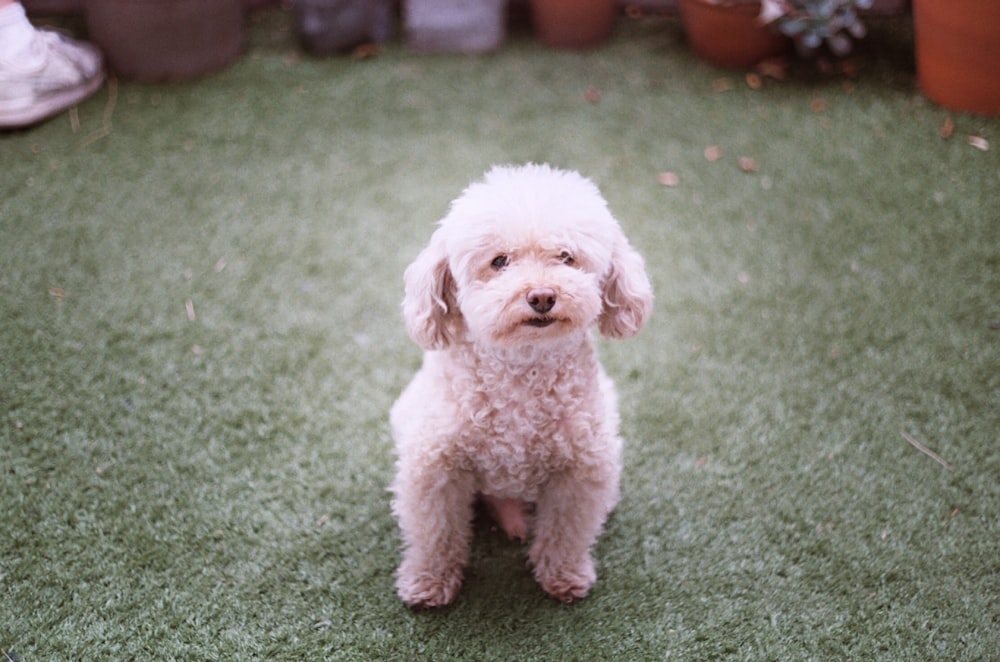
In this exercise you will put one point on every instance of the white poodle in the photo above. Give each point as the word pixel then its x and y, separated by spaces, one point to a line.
pixel 511 404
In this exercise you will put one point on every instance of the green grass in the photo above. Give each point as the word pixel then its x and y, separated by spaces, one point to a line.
pixel 214 488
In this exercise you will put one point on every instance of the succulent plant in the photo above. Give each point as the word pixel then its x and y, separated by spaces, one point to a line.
pixel 811 23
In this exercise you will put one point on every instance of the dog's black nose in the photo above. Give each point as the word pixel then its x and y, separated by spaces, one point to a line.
pixel 542 299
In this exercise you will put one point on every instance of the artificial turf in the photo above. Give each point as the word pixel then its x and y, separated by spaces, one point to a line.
pixel 200 340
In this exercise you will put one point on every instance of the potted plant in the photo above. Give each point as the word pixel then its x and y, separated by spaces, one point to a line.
pixel 958 53
pixel 576 24
pixel 166 40
pixel 468 26
pixel 325 27
pixel 728 32
pixel 812 23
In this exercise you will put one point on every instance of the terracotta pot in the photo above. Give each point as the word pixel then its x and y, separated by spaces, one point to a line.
pixel 727 33
pixel 958 53
pixel 576 24
pixel 166 40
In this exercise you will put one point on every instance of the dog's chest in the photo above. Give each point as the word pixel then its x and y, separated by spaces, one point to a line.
pixel 528 421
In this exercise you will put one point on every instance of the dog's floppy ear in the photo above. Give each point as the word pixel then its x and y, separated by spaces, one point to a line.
pixel 627 292
pixel 429 304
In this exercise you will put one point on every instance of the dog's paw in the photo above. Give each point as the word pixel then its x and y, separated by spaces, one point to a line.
pixel 570 582
pixel 425 590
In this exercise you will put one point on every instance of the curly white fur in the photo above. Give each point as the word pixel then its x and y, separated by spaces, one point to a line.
pixel 511 402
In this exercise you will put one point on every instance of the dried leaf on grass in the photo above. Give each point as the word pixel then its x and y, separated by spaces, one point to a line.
pixel 723 84
pixel 365 51
pixel 978 142
pixel 848 68
pixel 947 129
pixel 774 67
pixel 669 179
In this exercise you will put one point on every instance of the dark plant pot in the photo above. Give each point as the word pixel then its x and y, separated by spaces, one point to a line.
pixel 958 53
pixel 52 7
pixel 326 27
pixel 166 40
pixel 255 5
pixel 576 24
pixel 468 26
pixel 728 34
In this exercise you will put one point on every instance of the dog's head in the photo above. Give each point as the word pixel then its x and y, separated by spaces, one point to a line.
pixel 526 256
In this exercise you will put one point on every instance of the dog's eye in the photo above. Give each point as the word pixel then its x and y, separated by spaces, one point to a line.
pixel 499 262
pixel 566 258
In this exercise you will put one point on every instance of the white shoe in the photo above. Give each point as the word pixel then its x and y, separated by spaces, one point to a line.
pixel 56 73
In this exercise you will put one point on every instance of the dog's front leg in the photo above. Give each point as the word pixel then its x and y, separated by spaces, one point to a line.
pixel 434 510
pixel 570 515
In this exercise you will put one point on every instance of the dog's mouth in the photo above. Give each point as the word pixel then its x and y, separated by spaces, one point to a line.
pixel 540 322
